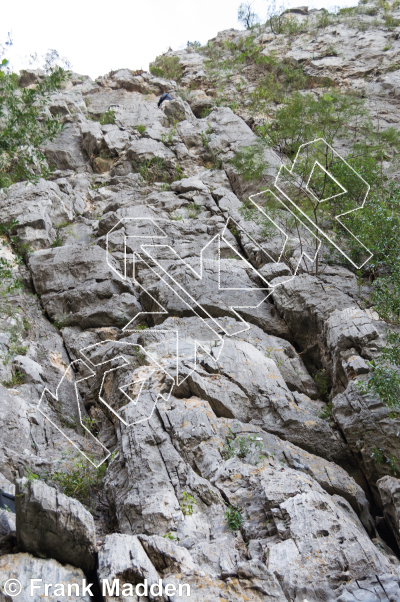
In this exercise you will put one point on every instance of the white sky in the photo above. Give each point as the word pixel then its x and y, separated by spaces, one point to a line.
pixel 99 35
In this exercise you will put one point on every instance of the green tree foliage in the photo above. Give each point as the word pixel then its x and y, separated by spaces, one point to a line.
pixel 338 119
pixel 385 379
pixel 25 124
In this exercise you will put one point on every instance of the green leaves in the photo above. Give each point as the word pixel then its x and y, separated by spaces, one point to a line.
pixel 386 296
pixel 234 518
pixel 107 118
pixel 25 125
pixel 168 67
pixel 385 379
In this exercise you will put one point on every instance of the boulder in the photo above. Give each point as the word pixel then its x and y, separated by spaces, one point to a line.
pixel 32 371
pixel 36 210
pixel 123 557
pixel 89 293
pixel 220 289
pixel 66 152
pixel 8 531
pixel 199 101
pixel 188 184
pixel 146 149
pixel 25 567
pixel 52 525
pixel 28 77
pixel 371 433
pixel 178 110
pixel 303 531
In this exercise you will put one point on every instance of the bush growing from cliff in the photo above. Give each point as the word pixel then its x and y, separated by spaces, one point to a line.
pixel 338 119
pixel 167 67
pixel 25 124
pixel 386 295
pixel 385 379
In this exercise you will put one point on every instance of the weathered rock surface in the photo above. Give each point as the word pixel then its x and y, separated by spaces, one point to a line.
pixel 389 489
pixel 34 212
pixel 89 294
pixel 139 236
pixel 51 524
pixel 25 567
pixel 123 557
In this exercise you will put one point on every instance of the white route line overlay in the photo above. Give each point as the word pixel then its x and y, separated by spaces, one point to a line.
pixel 197 344
pixel 337 217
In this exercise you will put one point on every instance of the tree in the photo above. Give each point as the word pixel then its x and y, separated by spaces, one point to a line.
pixel 315 196
pixel 246 16
pixel 25 122
pixel 276 17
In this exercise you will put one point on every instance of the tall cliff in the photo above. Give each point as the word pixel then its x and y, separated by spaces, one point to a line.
pixel 202 392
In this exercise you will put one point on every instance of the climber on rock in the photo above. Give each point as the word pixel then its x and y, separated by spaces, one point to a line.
pixel 164 97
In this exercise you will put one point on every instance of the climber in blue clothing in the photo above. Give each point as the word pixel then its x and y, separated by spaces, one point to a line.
pixel 164 96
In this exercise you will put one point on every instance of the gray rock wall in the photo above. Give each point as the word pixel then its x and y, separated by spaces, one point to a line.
pixel 130 243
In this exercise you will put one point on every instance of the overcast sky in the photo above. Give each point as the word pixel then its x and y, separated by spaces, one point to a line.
pixel 97 36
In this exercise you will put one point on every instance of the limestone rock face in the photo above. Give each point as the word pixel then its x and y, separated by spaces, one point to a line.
pixel 51 524
pixel 159 354
pixel 25 567
pixel 89 294
pixel 36 211
pixel 389 489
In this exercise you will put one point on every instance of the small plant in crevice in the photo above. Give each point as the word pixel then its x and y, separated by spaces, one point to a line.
pixel 168 139
pixel 79 479
pixel 171 537
pixel 15 347
pixel 16 379
pixel 193 210
pixel 107 118
pixel 94 186
pixel 233 229
pixel 322 381
pixel 248 448
pixel 206 137
pixel 380 458
pixel 187 503
pixel 57 241
pixel 327 412
pixel 61 322
pixel 153 170
pixel 140 129
pixel 8 283
pixel 234 518
pixel 82 480
pixel 331 51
